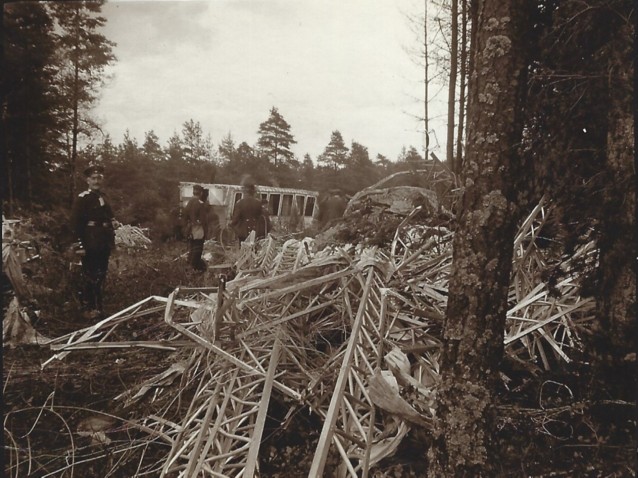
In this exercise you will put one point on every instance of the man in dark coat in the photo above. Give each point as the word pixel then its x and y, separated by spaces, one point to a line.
pixel 94 227
pixel 332 207
pixel 178 223
pixel 248 214
pixel 195 214
pixel 264 226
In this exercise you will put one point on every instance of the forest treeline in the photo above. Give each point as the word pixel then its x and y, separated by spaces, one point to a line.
pixel 143 179
pixel 57 58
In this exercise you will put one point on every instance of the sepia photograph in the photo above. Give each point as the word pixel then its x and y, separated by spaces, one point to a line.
pixel 335 238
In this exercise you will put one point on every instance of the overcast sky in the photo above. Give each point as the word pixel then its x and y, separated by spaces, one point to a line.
pixel 324 64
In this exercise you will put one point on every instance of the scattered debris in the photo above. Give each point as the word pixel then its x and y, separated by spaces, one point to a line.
pixel 17 328
pixel 348 332
pixel 12 268
pixel 131 236
pixel 16 323
pixel 96 427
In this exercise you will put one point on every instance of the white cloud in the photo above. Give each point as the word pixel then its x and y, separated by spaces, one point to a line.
pixel 326 65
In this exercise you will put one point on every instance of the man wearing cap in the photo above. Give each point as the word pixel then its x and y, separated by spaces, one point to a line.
pixel 94 227
pixel 247 215
pixel 196 215
pixel 332 207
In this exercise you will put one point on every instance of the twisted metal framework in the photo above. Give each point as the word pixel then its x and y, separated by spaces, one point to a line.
pixel 347 332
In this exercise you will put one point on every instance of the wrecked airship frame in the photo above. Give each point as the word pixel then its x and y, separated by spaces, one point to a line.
pixel 350 333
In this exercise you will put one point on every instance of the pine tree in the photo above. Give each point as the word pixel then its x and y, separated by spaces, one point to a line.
pixel 275 138
pixel 473 329
pixel 581 151
pixel 227 147
pixel 335 155
pixel 616 297
pixel 129 149
pixel 108 150
pixel 413 157
pixel 28 103
pixel 175 148
pixel 83 55
pixel 196 146
pixel 307 172
pixel 151 146
pixel 382 161
pixel 359 155
pixel 362 169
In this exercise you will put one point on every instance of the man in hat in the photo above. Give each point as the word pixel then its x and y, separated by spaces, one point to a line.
pixel 248 215
pixel 94 227
pixel 332 207
pixel 196 217
pixel 264 226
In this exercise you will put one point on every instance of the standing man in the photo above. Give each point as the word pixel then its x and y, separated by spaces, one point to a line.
pixel 94 227
pixel 212 222
pixel 264 225
pixel 332 207
pixel 177 219
pixel 247 214
pixel 195 214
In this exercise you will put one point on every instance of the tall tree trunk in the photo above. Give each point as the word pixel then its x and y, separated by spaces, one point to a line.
pixel 28 162
pixel 75 100
pixel 473 21
pixel 451 99
pixel 462 81
pixel 9 197
pixel 28 173
pixel 616 296
pixel 482 259
pixel 75 129
pixel 10 193
pixel 426 94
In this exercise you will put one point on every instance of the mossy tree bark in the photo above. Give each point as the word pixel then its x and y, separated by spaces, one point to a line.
pixel 483 243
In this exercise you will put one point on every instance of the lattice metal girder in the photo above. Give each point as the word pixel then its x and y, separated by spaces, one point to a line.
pixel 225 351
pixel 223 434
pixel 351 411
